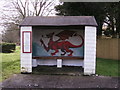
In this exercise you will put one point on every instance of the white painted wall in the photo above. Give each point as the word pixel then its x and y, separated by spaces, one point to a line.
pixel 90 50
pixel 26 58
pixel 54 62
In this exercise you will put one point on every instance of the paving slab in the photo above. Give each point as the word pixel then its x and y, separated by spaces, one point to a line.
pixel 60 81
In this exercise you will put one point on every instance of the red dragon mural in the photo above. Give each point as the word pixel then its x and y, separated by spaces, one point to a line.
pixel 61 44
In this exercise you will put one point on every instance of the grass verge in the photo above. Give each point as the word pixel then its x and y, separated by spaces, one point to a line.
pixel 10 63
pixel 107 67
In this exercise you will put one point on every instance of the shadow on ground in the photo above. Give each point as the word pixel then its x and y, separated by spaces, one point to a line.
pixel 53 70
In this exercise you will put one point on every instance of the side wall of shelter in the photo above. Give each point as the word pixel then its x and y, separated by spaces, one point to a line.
pixel 26 58
pixel 90 50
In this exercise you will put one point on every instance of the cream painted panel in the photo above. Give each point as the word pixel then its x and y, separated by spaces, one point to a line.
pixel 90 50
pixel 26 58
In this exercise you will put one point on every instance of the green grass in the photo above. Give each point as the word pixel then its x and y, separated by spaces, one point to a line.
pixel 107 67
pixel 10 63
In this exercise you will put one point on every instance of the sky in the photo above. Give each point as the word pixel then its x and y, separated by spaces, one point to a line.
pixel 5 4
pixel 2 2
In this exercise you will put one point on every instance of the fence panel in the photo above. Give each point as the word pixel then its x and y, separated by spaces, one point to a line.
pixel 108 48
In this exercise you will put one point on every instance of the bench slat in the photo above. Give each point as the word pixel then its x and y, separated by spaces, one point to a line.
pixel 58 57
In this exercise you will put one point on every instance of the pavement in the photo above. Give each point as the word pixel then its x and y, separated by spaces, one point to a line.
pixel 60 81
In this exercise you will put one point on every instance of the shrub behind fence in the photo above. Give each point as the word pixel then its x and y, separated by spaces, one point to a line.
pixel 7 47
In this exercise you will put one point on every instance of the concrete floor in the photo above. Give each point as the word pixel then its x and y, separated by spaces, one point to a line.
pixel 59 81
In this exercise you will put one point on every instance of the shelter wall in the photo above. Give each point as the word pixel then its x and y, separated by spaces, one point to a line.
pixel 39 50
pixel 26 52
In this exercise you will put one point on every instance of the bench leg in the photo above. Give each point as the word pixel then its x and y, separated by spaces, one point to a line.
pixel 34 63
pixel 59 63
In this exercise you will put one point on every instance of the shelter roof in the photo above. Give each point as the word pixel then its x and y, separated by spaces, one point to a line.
pixel 59 21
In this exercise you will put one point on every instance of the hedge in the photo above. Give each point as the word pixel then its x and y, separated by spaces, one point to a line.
pixel 7 47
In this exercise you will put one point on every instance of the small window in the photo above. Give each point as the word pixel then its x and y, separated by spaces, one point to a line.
pixel 26 41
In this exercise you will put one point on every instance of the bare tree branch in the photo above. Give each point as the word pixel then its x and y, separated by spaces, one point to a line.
pixel 24 8
pixel 49 12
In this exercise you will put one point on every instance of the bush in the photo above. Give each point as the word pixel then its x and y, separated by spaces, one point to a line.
pixel 7 47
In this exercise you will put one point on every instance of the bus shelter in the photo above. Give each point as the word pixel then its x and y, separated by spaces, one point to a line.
pixel 58 40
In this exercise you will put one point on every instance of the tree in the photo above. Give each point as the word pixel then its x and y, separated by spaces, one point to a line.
pixel 112 11
pixel 11 33
pixel 103 12
pixel 34 7
pixel 22 9
pixel 0 38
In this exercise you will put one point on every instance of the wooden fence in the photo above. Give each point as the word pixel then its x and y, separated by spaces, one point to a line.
pixel 108 48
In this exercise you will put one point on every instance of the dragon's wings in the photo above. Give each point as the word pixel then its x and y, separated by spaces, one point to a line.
pixel 65 34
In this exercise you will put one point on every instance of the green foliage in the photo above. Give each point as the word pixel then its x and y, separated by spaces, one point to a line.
pixel 108 32
pixel 103 12
pixel 10 63
pixel 83 9
pixel 7 47
pixel 107 67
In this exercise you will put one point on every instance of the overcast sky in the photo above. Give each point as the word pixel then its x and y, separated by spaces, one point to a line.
pixel 2 3
pixel 5 4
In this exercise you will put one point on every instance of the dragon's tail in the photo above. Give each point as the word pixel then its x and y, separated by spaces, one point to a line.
pixel 76 46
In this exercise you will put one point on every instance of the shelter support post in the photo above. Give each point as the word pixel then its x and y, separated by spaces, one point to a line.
pixel 34 63
pixel 26 49
pixel 90 50
pixel 59 63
